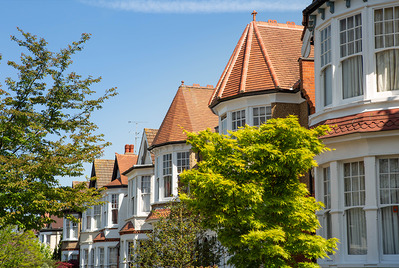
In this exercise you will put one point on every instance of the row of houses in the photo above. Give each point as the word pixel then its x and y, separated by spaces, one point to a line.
pixel 340 69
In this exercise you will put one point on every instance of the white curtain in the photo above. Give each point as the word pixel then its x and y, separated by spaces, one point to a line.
pixel 388 70
pixel 357 233
pixel 352 77
pixel 390 230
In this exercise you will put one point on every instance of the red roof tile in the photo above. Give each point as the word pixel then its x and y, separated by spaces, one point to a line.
pixel 158 213
pixel 122 163
pixel 363 122
pixel 265 58
pixel 150 134
pixel 189 110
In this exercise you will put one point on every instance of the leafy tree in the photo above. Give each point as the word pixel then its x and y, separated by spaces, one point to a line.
pixel 45 132
pixel 22 249
pixel 177 240
pixel 247 189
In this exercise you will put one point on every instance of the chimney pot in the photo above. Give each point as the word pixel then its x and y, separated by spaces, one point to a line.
pixel 127 148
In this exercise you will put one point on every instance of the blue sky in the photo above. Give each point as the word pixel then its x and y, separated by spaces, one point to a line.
pixel 144 48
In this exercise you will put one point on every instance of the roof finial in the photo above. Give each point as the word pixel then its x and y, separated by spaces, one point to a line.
pixel 182 82
pixel 254 15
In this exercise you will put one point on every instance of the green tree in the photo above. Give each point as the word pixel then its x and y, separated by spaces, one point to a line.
pixel 45 132
pixel 177 240
pixel 22 249
pixel 247 189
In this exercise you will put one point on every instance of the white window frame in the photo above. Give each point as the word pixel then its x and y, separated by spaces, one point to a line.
pixel 145 191
pixel 71 230
pixel 326 185
pixel 355 202
pixel 223 124
pixel 97 217
pixel 238 119
pixel 101 257
pixel 112 257
pixel 114 208
pixel 348 37
pixel 392 178
pixel 384 48
pixel 261 117
pixel 167 175
pixel 326 65
pixel 133 191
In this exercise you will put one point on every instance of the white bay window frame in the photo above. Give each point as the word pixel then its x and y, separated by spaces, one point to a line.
pixel 386 47
pixel 351 47
pixel 326 66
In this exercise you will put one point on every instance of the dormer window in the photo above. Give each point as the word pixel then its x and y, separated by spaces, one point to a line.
pixel 326 73
pixel 350 51
pixel 386 37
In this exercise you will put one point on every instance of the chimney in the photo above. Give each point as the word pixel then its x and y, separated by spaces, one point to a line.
pixel 129 148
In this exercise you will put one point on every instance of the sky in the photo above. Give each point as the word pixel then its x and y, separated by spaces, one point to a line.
pixel 145 48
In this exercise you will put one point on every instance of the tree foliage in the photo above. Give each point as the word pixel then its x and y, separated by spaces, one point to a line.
pixel 178 240
pixel 247 189
pixel 45 132
pixel 22 249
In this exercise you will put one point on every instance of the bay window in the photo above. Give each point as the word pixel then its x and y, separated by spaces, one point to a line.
pixel 327 202
pixel 132 197
pixel 350 52
pixel 389 202
pixel 97 216
pixel 386 38
pixel 354 201
pixel 167 174
pixel 145 193
pixel 326 73
pixel 223 124
pixel 237 119
pixel 114 208
pixel 260 115
pixel 71 229
pixel 101 258
pixel 89 214
pixel 113 257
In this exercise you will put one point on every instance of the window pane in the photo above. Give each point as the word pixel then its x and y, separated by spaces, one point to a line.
pixel 357 233
pixel 327 75
pixel 390 230
pixel 387 70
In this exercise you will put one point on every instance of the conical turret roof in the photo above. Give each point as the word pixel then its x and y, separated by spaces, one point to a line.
pixel 265 58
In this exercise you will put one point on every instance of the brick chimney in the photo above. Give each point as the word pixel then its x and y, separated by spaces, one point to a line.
pixel 129 148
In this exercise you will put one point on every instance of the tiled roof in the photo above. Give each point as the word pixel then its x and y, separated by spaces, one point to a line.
pixel 122 162
pixel 158 213
pixel 101 238
pixel 151 133
pixel 102 170
pixel 127 228
pixel 265 58
pixel 363 122
pixel 189 110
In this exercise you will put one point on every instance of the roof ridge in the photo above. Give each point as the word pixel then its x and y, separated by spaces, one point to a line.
pixel 274 23
pixel 224 72
pixel 267 58
pixel 246 58
pixel 233 61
